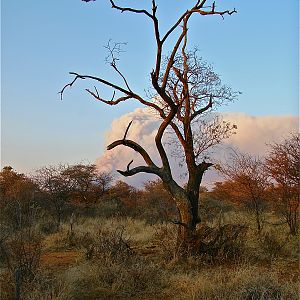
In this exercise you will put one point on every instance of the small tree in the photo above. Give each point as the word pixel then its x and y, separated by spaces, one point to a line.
pixel 17 199
pixel 184 89
pixel 87 184
pixel 126 198
pixel 65 185
pixel 283 165
pixel 56 189
pixel 249 181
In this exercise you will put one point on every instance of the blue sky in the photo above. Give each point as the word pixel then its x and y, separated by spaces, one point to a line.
pixel 255 51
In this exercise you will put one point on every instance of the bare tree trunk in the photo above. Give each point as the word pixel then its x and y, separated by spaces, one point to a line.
pixel 187 202
pixel 188 219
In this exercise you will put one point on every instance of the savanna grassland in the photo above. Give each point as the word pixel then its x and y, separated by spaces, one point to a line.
pixel 124 247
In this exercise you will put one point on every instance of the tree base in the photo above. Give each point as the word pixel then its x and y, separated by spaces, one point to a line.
pixel 223 241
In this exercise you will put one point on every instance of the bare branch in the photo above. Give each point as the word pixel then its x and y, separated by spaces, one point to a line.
pixel 156 27
pixel 133 145
pixel 123 77
pixel 113 51
pixel 174 26
pixel 203 109
pixel 140 169
pixel 105 82
pixel 158 140
pixel 112 97
pixel 129 165
pixel 123 9
pixel 98 93
pixel 203 166
pixel 197 6
pixel 213 11
pixel 161 92
pixel 109 102
pixel 150 168
pixel 130 94
pixel 173 54
pixel 178 134
pixel 210 133
pixel 70 84
pixel 157 37
pixel 126 131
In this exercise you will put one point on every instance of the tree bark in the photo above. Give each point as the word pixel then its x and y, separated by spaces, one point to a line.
pixel 186 225
pixel 187 206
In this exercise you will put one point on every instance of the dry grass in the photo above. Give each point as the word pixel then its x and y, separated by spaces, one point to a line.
pixel 232 283
pixel 266 269
pixel 136 230
pixel 109 279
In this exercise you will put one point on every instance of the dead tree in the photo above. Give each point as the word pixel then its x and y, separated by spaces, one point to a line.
pixel 185 88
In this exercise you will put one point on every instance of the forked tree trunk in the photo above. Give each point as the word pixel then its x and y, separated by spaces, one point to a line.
pixel 187 203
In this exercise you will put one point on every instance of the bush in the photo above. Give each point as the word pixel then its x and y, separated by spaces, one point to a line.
pixel 219 243
pixel 43 286
pixel 107 244
pixel 112 270
pixel 21 253
pixel 271 245
pixel 47 226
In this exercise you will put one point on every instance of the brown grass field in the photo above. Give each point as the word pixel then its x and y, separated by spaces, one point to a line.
pixel 126 258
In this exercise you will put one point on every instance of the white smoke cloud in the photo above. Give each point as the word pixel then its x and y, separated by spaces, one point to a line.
pixel 253 135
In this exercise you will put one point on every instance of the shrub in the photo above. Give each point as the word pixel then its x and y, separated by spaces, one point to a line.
pixel 47 226
pixel 107 244
pixel 21 252
pixel 43 286
pixel 219 243
pixel 271 245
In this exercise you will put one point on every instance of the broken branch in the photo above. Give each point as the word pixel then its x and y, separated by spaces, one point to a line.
pixel 126 131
